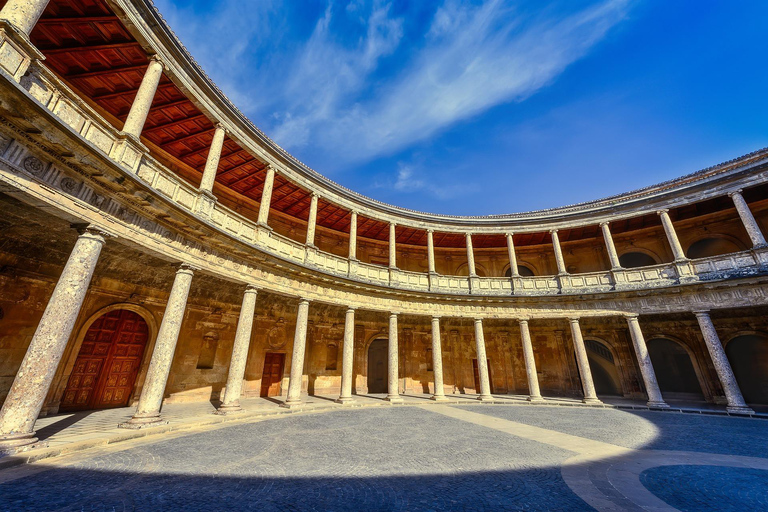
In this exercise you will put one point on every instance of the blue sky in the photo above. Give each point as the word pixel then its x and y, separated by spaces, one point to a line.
pixel 487 107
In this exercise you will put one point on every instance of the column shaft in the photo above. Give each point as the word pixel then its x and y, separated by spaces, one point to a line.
pixel 512 256
pixel 674 242
pixel 393 369
pixel 348 357
pixel 430 252
pixel 231 401
pixel 297 359
pixel 23 14
pixel 437 361
pixel 722 365
pixel 353 236
pixel 392 246
pixel 148 410
pixel 137 116
pixel 750 224
pixel 610 247
pixel 33 380
pixel 484 393
pixel 312 221
pixel 534 393
pixel 587 383
pixel 470 256
pixel 644 360
pixel 212 162
pixel 266 196
pixel 558 253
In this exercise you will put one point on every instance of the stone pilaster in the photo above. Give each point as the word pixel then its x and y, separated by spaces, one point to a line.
pixel 392 246
pixel 231 402
pixel 148 410
pixel 312 221
pixel 610 247
pixel 644 361
pixel 437 361
pixel 588 385
pixel 484 393
pixel 353 236
pixel 722 365
pixel 348 358
pixel 137 116
pixel 297 359
pixel 534 393
pixel 212 162
pixel 561 270
pixel 33 380
pixel 266 197
pixel 750 224
pixel 393 368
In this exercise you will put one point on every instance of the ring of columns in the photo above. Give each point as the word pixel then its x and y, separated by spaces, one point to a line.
pixel 117 187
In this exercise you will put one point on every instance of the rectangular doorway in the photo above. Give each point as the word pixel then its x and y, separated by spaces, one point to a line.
pixel 477 375
pixel 272 375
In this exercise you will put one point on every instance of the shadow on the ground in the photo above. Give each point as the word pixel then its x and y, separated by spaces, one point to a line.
pixel 66 420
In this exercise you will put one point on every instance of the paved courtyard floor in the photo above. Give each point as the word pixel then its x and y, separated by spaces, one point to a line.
pixel 458 456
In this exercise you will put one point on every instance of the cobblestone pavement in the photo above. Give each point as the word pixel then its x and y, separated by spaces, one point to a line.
pixel 413 458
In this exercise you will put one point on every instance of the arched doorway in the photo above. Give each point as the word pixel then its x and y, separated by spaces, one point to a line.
pixel 377 366
pixel 674 370
pixel 108 362
pixel 605 375
pixel 748 355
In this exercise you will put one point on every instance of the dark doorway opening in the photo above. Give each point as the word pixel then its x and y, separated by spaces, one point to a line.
pixel 272 376
pixel 377 366
pixel 748 356
pixel 674 370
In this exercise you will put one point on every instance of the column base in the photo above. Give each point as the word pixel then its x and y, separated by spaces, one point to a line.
pixel 658 405
pixel 147 420
pixel 292 404
pixel 345 400
pixel 394 399
pixel 740 410
pixel 535 399
pixel 10 443
pixel 224 410
pixel 591 401
pixel 484 398
pixel 439 398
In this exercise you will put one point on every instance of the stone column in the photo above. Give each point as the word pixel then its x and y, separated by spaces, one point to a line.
pixel 431 252
pixel 33 380
pixel 297 359
pixel 669 229
pixel 470 256
pixel 722 365
pixel 353 236
pixel 212 162
pixel 134 124
pixel 392 246
pixel 750 224
pixel 437 361
pixel 23 14
pixel 484 393
pixel 312 221
pixel 612 255
pixel 393 364
pixel 644 360
pixel 558 253
pixel 512 256
pixel 231 402
pixel 534 393
pixel 348 358
pixel 266 197
pixel 148 410
pixel 590 397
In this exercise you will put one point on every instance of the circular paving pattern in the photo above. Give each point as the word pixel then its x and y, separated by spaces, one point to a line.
pixel 394 458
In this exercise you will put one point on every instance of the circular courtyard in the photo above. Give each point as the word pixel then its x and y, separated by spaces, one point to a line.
pixel 432 457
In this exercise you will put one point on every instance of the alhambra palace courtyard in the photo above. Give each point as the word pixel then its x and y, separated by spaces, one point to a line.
pixel 193 319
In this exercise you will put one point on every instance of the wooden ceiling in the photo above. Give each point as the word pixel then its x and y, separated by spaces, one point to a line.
pixel 87 45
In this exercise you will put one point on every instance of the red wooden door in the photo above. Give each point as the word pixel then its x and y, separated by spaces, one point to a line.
pixel 272 376
pixel 477 375
pixel 108 362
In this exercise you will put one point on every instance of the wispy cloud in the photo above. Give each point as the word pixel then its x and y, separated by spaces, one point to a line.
pixel 410 179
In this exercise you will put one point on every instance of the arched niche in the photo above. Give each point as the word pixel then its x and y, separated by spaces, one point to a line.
pixel 603 366
pixel 675 369
pixel 637 259
pixel 713 246
pixel 522 270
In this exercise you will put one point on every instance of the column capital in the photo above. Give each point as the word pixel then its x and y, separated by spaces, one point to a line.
pixel 303 301
pixel 354 212
pixel 701 312
pixel 631 316
pixel 393 314
pixel 435 317
pixel 351 308
pixel 553 231
pixel 735 192
pixel 221 127
pixel 605 223
pixel 509 233
pixel 662 211
pixel 156 58
pixel 430 230
pixel 186 268
pixel 93 232
pixel 314 194
pixel 478 320
pixel 251 288
pixel 269 167
pixel 523 320
pixel 574 319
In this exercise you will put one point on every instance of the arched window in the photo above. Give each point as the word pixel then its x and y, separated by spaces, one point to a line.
pixel 707 247
pixel 636 259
